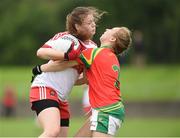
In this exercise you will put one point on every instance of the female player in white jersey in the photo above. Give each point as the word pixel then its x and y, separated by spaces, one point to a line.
pixel 49 90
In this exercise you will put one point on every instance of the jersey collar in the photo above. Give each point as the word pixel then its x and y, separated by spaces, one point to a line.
pixel 105 46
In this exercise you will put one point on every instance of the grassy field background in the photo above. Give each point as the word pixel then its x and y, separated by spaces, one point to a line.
pixel 150 83
pixel 136 127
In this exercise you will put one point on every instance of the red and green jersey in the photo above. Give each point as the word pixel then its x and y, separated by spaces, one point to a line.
pixel 103 72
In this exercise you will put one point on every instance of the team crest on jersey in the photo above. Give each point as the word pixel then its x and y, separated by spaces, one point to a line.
pixel 52 93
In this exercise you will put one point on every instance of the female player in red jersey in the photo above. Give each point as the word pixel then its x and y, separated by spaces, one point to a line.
pixel 103 75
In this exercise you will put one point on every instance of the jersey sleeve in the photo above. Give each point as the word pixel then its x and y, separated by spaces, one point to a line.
pixel 88 56
pixel 73 52
pixel 46 46
pixel 65 43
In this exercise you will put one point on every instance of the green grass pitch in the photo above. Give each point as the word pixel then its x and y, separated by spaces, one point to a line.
pixel 136 127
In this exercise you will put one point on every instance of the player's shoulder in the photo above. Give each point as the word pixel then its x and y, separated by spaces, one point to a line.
pixel 93 51
pixel 58 35
pixel 65 36
pixel 72 39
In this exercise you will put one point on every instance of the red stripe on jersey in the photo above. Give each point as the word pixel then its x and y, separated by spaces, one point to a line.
pixel 46 46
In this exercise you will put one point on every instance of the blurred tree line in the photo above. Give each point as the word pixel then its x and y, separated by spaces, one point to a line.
pixel 26 24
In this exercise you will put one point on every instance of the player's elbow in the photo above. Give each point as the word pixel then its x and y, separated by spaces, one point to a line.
pixel 40 53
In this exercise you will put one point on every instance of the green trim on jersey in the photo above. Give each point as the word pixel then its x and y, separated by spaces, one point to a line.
pixel 106 46
pixel 111 107
pixel 87 62
pixel 84 61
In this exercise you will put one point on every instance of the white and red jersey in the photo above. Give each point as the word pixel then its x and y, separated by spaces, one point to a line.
pixel 65 42
pixel 61 81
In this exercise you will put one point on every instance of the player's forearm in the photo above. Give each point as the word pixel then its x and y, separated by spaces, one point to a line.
pixel 50 54
pixel 48 67
pixel 57 66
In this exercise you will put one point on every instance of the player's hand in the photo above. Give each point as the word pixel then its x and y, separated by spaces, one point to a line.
pixel 36 71
pixel 32 78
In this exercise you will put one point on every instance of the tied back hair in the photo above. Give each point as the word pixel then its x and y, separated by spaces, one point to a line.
pixel 123 41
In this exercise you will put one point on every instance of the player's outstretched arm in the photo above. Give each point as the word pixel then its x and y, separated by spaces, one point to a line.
pixel 54 66
pixel 50 54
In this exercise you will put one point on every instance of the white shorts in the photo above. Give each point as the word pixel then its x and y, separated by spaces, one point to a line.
pixel 104 122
